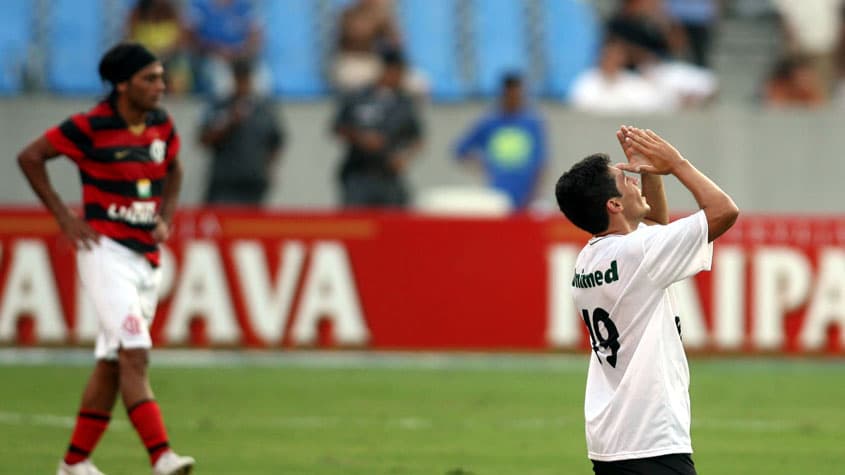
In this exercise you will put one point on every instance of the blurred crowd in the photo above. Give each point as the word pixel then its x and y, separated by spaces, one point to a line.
pixel 656 56
pixel 198 40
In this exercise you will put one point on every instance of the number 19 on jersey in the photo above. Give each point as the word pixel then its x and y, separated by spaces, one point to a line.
pixel 605 340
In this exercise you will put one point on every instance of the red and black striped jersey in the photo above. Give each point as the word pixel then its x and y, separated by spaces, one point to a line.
pixel 122 171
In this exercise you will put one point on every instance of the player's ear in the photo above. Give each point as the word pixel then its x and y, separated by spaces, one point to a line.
pixel 614 205
pixel 122 87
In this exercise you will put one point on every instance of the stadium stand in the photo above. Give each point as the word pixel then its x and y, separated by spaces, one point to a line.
pixel 461 45
pixel 296 68
pixel 571 41
pixel 15 37
pixel 500 41
pixel 75 41
pixel 431 34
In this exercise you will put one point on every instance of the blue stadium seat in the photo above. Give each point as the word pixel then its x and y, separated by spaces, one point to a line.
pixel 15 35
pixel 430 33
pixel 291 48
pixel 571 43
pixel 500 41
pixel 338 5
pixel 76 40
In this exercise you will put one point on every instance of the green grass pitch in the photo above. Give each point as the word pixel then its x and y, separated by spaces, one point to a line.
pixel 497 418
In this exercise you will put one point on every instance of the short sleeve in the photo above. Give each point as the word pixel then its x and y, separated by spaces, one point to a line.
pixel 69 138
pixel 678 250
pixel 210 114
pixel 344 118
pixel 413 130
pixel 174 144
pixel 276 136
pixel 473 139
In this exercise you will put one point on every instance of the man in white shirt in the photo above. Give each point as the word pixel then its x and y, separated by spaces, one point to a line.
pixel 610 89
pixel 637 407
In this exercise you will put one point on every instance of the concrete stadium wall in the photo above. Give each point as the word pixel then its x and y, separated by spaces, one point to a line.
pixel 770 161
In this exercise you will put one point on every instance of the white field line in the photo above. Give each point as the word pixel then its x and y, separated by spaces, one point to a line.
pixel 311 359
pixel 47 420
pixel 408 423
pixel 347 359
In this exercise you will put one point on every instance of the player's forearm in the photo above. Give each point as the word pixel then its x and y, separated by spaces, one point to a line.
pixel 217 131
pixel 212 136
pixel 655 195
pixel 35 170
pixel 720 209
pixel 170 193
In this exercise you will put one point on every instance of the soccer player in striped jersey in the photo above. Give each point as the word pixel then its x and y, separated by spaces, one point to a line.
pixel 126 149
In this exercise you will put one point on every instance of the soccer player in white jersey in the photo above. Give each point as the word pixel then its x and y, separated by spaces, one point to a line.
pixel 637 406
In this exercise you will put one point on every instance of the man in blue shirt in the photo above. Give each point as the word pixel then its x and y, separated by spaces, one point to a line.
pixel 223 31
pixel 510 144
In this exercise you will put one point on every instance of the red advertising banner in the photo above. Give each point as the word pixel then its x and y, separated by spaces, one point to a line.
pixel 397 281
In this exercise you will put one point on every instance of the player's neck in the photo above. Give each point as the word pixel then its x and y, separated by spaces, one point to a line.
pixel 133 116
pixel 619 226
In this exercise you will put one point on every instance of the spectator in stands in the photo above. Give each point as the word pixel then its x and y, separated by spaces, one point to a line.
pixel 839 86
pixel 610 88
pixel 382 132
pixel 223 31
pixel 655 44
pixel 509 144
pixel 157 25
pixel 794 82
pixel 697 19
pixel 367 28
pixel 812 31
pixel 685 85
pixel 245 138
pixel 645 25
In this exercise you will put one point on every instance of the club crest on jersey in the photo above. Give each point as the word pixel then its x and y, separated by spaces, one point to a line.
pixel 158 149
pixel 144 188
pixel 132 325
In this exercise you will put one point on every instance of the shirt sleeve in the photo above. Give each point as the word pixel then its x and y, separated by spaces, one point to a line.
pixel 344 118
pixel 276 136
pixel 69 138
pixel 174 144
pixel 678 250
pixel 210 115
pixel 414 128
pixel 473 140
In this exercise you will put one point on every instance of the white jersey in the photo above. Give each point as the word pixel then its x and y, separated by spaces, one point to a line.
pixel 637 399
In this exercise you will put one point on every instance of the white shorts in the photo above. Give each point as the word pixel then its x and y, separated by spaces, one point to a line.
pixel 123 286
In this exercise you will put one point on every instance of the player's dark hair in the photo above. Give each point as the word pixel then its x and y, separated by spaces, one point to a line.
pixel 583 191
pixel 241 67
pixel 786 67
pixel 392 57
pixel 511 79
pixel 122 61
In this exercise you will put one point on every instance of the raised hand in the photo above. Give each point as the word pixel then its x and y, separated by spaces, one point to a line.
pixel 635 158
pixel 659 157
